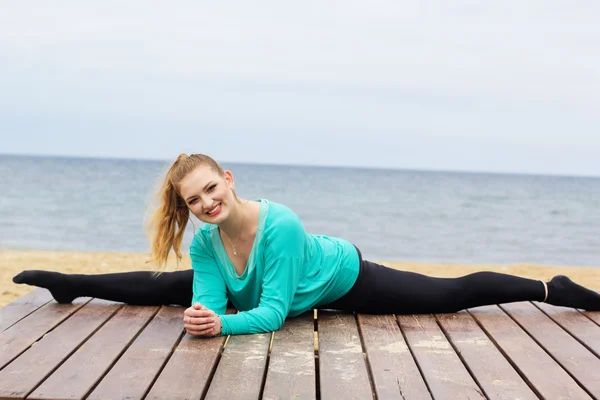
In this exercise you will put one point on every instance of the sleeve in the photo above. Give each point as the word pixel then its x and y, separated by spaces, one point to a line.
pixel 209 286
pixel 283 257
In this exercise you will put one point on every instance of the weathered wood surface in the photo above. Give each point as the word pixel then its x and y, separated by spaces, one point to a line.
pixel 29 370
pixel 442 368
pixel 134 373
pixel 19 337
pixel 102 350
pixel 22 307
pixel 494 374
pixel 292 371
pixel 394 371
pixel 241 369
pixel 576 323
pixel 548 378
pixel 343 372
pixel 80 373
pixel 581 364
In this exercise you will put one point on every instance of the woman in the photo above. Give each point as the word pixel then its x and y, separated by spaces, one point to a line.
pixel 258 255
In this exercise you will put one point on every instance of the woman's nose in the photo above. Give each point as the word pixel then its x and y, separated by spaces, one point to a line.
pixel 207 203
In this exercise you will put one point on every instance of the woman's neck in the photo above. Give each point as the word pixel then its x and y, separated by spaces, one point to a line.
pixel 233 225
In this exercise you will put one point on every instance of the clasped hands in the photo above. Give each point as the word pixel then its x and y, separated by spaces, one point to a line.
pixel 200 321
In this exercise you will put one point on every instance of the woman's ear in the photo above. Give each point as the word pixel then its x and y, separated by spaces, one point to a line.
pixel 229 179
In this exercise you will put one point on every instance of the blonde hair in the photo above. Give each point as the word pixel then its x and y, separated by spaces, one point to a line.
pixel 167 224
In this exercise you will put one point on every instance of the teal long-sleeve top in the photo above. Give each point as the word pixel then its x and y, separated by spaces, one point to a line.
pixel 289 271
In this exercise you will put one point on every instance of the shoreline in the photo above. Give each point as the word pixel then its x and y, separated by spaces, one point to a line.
pixel 15 261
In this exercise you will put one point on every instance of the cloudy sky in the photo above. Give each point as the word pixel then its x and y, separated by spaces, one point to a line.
pixel 473 86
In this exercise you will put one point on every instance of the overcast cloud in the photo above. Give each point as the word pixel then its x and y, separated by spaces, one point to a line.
pixel 476 86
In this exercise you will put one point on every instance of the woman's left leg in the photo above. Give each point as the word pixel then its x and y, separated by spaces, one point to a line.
pixel 137 288
pixel 384 290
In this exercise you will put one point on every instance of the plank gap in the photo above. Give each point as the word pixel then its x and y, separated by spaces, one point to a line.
pixel 118 357
pixel 510 361
pixel 213 370
pixel 229 311
pixel 590 318
pixel 74 350
pixel 556 360
pixel 61 322
pixel 583 343
pixel 413 355
pixel 316 346
pixel 33 294
pixel 162 367
pixel 460 356
pixel 226 341
pixel 366 357
pixel 79 306
pixel 264 378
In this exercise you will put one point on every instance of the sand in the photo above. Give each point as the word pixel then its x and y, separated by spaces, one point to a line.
pixel 12 262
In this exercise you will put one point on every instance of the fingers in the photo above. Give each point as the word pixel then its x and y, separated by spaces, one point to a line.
pixel 198 320
pixel 207 332
pixel 199 313
pixel 199 330
pixel 195 306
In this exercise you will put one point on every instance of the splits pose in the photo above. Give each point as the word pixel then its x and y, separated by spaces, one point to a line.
pixel 257 256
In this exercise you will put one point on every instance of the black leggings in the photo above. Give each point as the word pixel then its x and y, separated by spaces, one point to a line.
pixel 378 290
pixel 384 290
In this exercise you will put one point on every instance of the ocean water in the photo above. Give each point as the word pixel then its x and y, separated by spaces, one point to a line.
pixel 99 205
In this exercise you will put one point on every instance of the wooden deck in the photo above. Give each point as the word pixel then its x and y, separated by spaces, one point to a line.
pixel 95 349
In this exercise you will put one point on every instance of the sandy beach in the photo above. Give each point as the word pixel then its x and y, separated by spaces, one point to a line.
pixel 12 262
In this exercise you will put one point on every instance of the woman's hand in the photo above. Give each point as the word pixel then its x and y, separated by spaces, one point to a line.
pixel 200 321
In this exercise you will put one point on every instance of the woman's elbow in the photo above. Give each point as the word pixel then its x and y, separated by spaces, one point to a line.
pixel 275 322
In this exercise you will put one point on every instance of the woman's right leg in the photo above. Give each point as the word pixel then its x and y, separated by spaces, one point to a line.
pixel 383 290
pixel 138 288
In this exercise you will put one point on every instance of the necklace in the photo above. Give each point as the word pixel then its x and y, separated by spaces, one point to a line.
pixel 239 233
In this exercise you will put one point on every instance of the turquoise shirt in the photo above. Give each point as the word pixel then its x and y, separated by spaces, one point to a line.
pixel 289 272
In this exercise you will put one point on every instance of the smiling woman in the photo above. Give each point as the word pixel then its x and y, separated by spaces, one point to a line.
pixel 258 255
pixel 167 225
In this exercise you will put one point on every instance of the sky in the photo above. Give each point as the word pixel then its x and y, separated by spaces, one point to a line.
pixel 484 86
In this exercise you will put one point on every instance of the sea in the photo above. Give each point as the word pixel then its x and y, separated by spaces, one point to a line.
pixel 79 204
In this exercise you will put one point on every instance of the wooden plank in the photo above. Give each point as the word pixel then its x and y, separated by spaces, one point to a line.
pixel 394 371
pixel 582 364
pixel 494 374
pixel 188 371
pixel 194 360
pixel 241 369
pixel 16 339
pixel 78 375
pixel 343 372
pixel 543 374
pixel 593 315
pixel 26 372
pixel 576 324
pixel 292 373
pixel 444 372
pixel 22 307
pixel 134 373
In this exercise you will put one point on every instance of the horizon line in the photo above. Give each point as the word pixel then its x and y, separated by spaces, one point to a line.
pixel 377 168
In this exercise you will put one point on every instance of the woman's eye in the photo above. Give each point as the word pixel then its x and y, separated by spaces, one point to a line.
pixel 192 201
pixel 210 188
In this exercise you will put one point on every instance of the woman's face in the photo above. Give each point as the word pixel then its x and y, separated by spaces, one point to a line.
pixel 208 195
